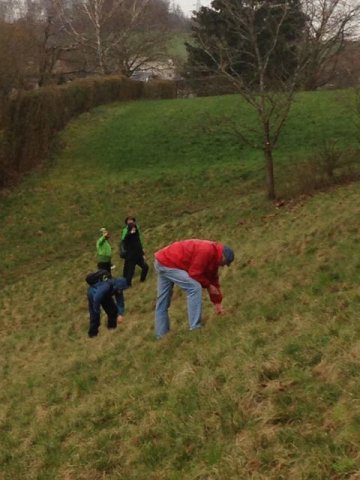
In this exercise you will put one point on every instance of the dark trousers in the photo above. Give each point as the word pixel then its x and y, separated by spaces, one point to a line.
pixel 110 308
pixel 104 266
pixel 129 268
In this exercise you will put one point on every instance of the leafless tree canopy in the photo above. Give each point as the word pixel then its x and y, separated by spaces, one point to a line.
pixel 114 34
pixel 331 25
pixel 39 38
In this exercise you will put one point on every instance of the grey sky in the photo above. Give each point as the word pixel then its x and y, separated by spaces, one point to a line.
pixel 188 5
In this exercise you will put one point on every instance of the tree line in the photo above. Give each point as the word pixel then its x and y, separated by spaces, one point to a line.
pixel 37 37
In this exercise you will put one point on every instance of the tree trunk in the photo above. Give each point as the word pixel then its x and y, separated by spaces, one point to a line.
pixel 270 182
pixel 99 43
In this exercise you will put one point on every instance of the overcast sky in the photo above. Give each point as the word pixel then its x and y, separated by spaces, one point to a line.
pixel 188 5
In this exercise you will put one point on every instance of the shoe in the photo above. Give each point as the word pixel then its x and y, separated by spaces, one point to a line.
pixel 193 329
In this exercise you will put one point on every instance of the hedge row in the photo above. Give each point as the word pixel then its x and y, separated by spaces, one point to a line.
pixel 32 120
pixel 208 86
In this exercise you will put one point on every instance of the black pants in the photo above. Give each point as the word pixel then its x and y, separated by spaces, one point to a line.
pixel 104 266
pixel 129 268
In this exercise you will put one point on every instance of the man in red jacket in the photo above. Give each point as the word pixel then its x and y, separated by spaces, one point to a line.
pixel 192 265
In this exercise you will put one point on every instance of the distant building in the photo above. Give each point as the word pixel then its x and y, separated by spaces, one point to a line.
pixel 156 70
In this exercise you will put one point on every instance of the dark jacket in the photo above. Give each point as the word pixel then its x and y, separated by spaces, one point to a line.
pixel 132 242
pixel 102 290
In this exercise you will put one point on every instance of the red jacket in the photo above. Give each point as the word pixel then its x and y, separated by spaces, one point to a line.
pixel 199 258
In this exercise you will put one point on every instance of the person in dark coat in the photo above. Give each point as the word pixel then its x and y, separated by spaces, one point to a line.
pixel 101 295
pixel 132 250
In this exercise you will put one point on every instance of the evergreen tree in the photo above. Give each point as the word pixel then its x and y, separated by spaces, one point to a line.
pixel 227 28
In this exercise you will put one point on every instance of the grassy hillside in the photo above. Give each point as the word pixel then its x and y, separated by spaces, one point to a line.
pixel 268 391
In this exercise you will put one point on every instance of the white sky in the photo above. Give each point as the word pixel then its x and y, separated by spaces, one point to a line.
pixel 188 5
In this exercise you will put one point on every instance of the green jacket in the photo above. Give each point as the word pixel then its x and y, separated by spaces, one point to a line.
pixel 103 249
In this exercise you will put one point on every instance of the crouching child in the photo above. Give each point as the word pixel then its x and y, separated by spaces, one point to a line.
pixel 101 293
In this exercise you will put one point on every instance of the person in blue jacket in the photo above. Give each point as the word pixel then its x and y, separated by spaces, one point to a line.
pixel 101 295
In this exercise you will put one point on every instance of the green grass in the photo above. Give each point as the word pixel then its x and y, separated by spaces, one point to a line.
pixel 268 391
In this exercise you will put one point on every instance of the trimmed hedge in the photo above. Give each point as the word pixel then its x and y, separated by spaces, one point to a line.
pixel 32 120
pixel 208 86
pixel 160 89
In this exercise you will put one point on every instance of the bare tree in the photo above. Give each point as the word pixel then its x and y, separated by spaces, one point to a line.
pixel 32 41
pixel 331 24
pixel 118 34
pixel 42 17
pixel 17 57
pixel 40 39
pixel 11 10
pixel 254 66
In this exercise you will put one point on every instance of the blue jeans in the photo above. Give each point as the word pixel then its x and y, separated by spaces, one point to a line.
pixel 167 277
pixel 108 304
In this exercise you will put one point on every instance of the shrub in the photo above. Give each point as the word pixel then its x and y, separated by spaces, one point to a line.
pixel 207 86
pixel 331 159
pixel 328 166
pixel 159 89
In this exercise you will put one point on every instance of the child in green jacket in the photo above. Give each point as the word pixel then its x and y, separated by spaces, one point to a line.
pixel 103 249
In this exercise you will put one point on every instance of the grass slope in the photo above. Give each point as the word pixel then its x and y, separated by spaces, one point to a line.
pixel 269 391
